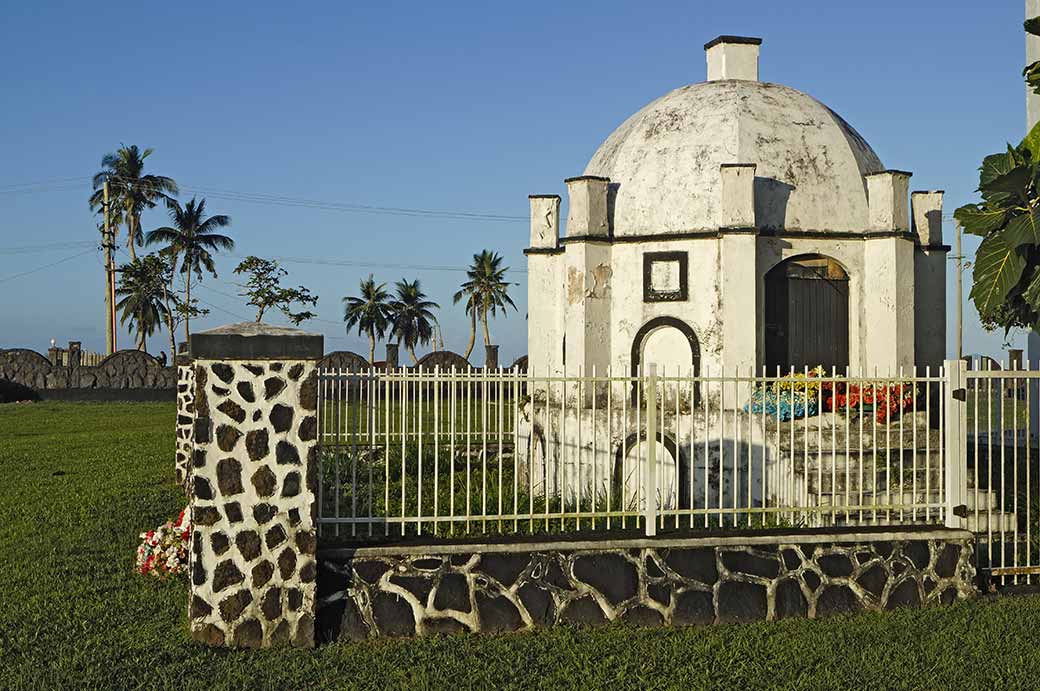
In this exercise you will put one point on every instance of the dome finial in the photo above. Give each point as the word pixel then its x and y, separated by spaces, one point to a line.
pixel 732 57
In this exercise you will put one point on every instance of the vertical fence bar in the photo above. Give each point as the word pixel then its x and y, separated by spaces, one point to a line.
pixel 956 441
pixel 650 507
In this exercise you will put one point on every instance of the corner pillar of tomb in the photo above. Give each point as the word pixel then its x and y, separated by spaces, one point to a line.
pixel 741 318
pixel 929 280
pixel 887 283
pixel 588 277
pixel 254 470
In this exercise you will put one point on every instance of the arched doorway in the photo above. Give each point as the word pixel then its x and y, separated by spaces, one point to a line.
pixel 669 343
pixel 672 346
pixel 630 476
pixel 807 314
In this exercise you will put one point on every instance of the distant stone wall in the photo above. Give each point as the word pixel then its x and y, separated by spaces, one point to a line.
pixel 124 370
pixel 416 590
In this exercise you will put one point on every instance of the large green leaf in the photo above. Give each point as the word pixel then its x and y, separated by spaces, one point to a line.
pixel 1032 26
pixel 1032 293
pixel 993 166
pixel 1023 229
pixel 980 220
pixel 1031 142
pixel 998 267
pixel 1013 184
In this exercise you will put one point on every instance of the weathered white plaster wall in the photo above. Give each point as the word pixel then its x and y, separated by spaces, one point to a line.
pixel 546 312
pixel 888 325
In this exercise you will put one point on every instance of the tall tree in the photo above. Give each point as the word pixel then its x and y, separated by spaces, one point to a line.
pixel 141 284
pixel 191 239
pixel 265 291
pixel 1006 275
pixel 369 313
pixel 412 318
pixel 486 292
pixel 130 190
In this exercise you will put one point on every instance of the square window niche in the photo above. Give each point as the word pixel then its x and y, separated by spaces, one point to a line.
pixel 665 276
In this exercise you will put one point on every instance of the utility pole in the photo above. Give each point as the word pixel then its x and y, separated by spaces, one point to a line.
pixel 110 306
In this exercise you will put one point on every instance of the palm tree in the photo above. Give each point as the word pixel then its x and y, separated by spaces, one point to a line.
pixel 190 239
pixel 130 190
pixel 485 292
pixel 370 313
pixel 412 316
pixel 141 286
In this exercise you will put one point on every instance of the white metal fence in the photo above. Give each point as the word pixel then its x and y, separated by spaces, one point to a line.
pixel 413 451
pixel 1002 470
pixel 470 452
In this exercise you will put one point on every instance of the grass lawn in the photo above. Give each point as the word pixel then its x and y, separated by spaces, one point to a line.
pixel 80 481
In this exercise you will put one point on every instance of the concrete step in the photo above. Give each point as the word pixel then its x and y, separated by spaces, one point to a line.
pixel 994 521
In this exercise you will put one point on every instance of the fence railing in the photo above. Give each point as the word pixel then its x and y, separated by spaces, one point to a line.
pixel 454 453
pixel 1002 469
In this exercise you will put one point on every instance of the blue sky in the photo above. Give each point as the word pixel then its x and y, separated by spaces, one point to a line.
pixel 445 106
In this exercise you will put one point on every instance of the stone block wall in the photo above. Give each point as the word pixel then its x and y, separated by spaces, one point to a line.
pixel 185 421
pixel 406 591
pixel 124 370
pixel 253 562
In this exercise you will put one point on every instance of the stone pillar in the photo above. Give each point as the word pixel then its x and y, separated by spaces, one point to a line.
pixel 391 356
pixel 185 420
pixel 253 486
pixel 887 284
pixel 741 320
pixel 545 220
pixel 929 280
pixel 54 355
pixel 75 354
pixel 887 289
pixel 491 357
pixel 587 214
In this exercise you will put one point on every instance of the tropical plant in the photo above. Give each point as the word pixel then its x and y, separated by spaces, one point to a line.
pixel 1006 274
pixel 264 290
pixel 369 313
pixel 191 240
pixel 141 288
pixel 486 292
pixel 130 191
pixel 412 316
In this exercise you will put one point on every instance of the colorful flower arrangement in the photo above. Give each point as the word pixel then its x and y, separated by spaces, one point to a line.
pixel 164 551
pixel 800 395
pixel 795 395
pixel 886 401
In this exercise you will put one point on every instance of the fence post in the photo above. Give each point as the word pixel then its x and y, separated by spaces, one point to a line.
pixel 955 396
pixel 253 485
pixel 650 510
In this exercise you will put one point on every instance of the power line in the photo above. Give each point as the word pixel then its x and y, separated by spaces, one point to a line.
pixel 24 249
pixel 348 207
pixel 369 264
pixel 46 266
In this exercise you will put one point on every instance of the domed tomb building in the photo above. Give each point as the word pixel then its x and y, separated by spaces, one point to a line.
pixel 736 223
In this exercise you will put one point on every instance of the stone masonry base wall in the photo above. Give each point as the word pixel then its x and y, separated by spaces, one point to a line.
pixel 417 590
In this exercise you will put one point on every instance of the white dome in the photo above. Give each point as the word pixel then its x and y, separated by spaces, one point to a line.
pixel 664 160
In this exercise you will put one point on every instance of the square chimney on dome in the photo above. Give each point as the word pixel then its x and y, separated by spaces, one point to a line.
pixel 732 57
